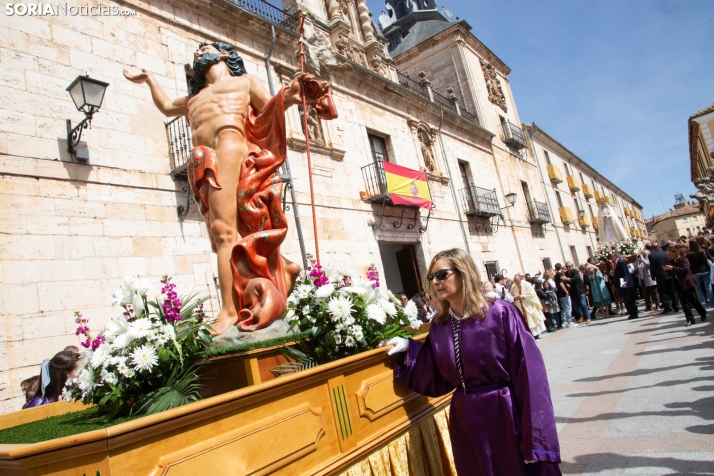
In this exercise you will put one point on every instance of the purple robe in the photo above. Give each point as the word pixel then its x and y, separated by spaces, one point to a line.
pixel 505 416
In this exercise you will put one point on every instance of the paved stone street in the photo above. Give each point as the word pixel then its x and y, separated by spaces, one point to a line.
pixel 634 397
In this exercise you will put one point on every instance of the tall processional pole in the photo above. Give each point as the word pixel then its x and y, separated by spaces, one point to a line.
pixel 301 54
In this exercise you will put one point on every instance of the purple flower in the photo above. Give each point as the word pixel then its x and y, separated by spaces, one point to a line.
pixel 373 275
pixel 172 304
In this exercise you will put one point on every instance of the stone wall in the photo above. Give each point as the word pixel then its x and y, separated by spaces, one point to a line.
pixel 70 231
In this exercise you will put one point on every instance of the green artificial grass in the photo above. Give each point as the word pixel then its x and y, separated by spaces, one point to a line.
pixel 57 427
pixel 235 349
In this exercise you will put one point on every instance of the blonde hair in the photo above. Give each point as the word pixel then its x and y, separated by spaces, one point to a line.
pixel 548 274
pixel 474 302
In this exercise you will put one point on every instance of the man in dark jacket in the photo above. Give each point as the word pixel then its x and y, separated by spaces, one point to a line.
pixel 665 285
pixel 625 284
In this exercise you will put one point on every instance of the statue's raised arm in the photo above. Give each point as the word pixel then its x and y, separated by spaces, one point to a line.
pixel 169 108
pixel 238 138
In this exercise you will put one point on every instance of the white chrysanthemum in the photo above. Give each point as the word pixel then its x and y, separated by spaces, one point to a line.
pixel 349 321
pixel 339 326
pixel 415 324
pixel 86 380
pixel 124 369
pixel 66 395
pixel 376 313
pixel 99 356
pixel 356 332
pixel 116 361
pixel 411 311
pixel 161 340
pixel 340 308
pixel 303 291
pixel 140 328
pixel 338 339
pixel 169 330
pixel 388 307
pixel 323 292
pixel 110 378
pixel 144 358
pixel 349 341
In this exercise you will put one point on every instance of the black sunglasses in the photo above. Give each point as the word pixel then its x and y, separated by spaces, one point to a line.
pixel 440 275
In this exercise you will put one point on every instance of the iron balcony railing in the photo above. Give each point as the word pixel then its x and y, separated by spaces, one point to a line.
pixel 442 101
pixel 375 181
pixel 538 212
pixel 480 201
pixel 411 85
pixel 269 12
pixel 513 135
pixel 179 136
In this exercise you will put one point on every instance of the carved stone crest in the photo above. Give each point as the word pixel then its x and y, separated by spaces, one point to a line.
pixel 493 85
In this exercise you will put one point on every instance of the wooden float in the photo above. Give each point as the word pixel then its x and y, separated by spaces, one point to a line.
pixel 319 421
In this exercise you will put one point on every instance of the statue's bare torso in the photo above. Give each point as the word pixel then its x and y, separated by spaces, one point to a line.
pixel 218 107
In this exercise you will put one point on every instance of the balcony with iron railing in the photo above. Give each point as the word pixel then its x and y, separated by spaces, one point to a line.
pixel 269 12
pixel 479 201
pixel 538 212
pixel 513 135
pixel 375 182
pixel 424 89
pixel 178 133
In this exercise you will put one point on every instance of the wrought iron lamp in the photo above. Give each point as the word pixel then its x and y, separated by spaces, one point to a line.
pixel 581 213
pixel 87 94
pixel 511 199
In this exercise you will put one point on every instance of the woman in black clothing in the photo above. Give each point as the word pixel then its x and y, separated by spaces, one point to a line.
pixel 684 283
pixel 699 264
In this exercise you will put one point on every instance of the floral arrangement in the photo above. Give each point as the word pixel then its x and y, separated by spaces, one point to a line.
pixel 144 361
pixel 604 252
pixel 340 314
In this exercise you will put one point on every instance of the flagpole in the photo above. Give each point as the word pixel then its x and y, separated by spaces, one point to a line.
pixel 305 112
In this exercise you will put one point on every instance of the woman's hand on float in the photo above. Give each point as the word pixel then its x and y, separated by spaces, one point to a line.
pixel 400 345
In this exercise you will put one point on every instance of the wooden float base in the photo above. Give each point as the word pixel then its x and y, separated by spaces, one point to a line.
pixel 334 418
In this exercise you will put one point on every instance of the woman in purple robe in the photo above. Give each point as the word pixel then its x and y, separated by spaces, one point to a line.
pixel 502 420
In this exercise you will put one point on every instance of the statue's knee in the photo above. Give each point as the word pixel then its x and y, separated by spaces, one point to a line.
pixel 222 232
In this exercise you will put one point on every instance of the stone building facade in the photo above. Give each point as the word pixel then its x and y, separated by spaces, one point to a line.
pixel 701 159
pixel 684 219
pixel 71 229
pixel 573 191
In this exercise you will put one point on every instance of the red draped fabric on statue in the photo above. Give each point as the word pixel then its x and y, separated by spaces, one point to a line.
pixel 261 222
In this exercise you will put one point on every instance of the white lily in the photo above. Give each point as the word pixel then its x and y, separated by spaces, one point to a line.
pixel 138 305
pixel 116 326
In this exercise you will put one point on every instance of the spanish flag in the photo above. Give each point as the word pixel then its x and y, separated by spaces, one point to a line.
pixel 406 186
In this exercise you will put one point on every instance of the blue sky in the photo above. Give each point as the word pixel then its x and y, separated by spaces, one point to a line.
pixel 614 81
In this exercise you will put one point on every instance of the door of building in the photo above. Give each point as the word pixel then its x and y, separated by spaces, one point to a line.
pixel 401 271
pixel 408 269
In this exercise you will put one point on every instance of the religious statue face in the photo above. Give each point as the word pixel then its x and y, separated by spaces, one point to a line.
pixel 204 58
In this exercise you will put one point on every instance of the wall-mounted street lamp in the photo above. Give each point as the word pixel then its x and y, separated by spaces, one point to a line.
pixel 581 213
pixel 87 94
pixel 511 199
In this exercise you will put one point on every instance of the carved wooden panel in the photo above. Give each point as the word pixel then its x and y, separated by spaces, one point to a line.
pixel 380 395
pixel 261 448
